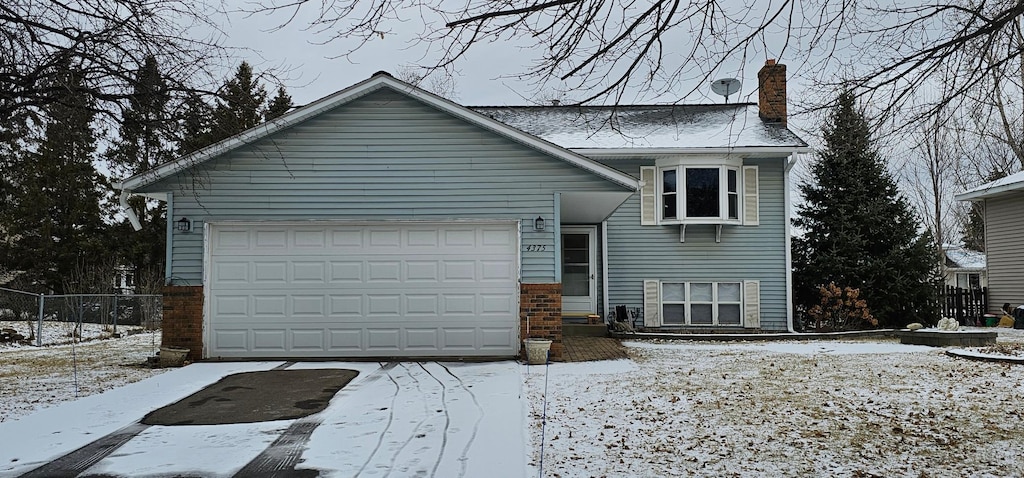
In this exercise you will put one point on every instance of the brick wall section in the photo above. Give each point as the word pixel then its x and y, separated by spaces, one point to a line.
pixel 183 319
pixel 542 303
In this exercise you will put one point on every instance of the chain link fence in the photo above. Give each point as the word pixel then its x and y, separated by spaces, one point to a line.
pixel 52 319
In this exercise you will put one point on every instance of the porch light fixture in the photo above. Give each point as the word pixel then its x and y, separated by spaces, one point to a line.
pixel 184 225
pixel 538 224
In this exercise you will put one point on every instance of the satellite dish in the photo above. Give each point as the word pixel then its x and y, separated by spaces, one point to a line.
pixel 725 87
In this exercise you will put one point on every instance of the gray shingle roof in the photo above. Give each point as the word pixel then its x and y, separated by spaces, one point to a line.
pixel 646 126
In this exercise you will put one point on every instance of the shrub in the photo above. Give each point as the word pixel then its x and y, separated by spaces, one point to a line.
pixel 840 309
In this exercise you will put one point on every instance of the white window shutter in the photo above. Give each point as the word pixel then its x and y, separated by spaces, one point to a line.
pixel 750 196
pixel 648 196
pixel 752 304
pixel 652 303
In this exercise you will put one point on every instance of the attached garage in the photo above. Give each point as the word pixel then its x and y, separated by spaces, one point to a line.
pixel 380 221
pixel 330 289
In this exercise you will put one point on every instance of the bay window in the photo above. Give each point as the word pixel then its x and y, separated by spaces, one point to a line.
pixel 700 194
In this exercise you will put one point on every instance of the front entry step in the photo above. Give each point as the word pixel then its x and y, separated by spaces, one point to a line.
pixel 584 330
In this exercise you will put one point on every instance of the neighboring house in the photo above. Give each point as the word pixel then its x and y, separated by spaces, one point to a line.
pixel 1002 202
pixel 385 221
pixel 124 280
pixel 964 268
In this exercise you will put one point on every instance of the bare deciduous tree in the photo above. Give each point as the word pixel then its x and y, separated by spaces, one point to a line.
pixel 106 40
pixel 883 49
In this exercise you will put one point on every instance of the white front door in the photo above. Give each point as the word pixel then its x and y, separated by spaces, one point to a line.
pixel 579 265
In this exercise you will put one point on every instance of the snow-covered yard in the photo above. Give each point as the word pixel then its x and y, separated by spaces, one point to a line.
pixel 823 408
pixel 32 378
pixel 855 409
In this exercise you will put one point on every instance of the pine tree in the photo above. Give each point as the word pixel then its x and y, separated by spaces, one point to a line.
pixel 53 219
pixel 144 143
pixel 194 127
pixel 279 105
pixel 240 105
pixel 974 223
pixel 859 231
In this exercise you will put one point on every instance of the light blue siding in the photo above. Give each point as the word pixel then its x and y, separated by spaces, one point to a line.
pixel 637 253
pixel 381 157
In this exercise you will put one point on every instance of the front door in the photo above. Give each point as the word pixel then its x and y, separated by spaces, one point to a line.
pixel 579 263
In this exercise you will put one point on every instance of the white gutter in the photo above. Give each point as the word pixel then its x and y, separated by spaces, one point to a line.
pixel 766 151
pixel 132 218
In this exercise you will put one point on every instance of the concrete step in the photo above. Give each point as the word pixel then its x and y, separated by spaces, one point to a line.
pixel 584 330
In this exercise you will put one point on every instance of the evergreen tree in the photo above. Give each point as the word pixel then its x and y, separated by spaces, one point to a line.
pixel 974 229
pixel 240 105
pixel 53 216
pixel 279 105
pixel 859 231
pixel 145 136
pixel 974 223
pixel 194 126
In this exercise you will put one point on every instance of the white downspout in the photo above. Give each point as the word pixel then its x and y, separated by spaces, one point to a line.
pixel 789 251
pixel 132 218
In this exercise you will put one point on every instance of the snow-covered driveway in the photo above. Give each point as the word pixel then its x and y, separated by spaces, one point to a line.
pixel 407 419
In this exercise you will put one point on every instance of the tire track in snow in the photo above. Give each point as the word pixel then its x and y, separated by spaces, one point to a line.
pixel 447 420
pixel 464 457
pixel 413 433
pixel 391 415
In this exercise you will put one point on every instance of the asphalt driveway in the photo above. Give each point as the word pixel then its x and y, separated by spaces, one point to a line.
pixel 397 419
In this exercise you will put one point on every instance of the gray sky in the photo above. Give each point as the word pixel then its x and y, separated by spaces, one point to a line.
pixel 488 76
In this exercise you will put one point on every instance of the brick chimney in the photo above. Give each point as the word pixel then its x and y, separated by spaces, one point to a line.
pixel 771 85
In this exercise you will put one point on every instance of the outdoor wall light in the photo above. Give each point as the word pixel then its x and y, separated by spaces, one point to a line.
pixel 184 225
pixel 538 224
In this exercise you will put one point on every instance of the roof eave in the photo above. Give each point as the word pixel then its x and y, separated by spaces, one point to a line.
pixel 749 151
pixel 986 193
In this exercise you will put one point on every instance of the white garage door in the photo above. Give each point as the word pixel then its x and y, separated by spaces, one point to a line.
pixel 362 290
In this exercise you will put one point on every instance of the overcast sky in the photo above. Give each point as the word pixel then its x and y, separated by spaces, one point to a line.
pixel 488 76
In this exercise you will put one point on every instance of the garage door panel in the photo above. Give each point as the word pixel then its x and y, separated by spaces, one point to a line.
pixel 268 340
pixel 270 272
pixel 308 340
pixel 231 305
pixel 308 305
pixel 383 272
pixel 385 238
pixel 232 271
pixel 311 238
pixel 497 270
pixel 496 338
pixel 422 271
pixel 349 305
pixel 309 272
pixel 233 238
pixel 274 306
pixel 231 340
pixel 381 339
pixel 421 304
pixel 345 340
pixel 346 271
pixel 364 290
pixel 422 339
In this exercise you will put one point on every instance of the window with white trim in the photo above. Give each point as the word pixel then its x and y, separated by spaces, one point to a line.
pixel 968 280
pixel 700 194
pixel 702 303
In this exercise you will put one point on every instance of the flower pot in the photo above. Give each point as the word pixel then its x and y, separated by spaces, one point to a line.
pixel 172 356
pixel 537 351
